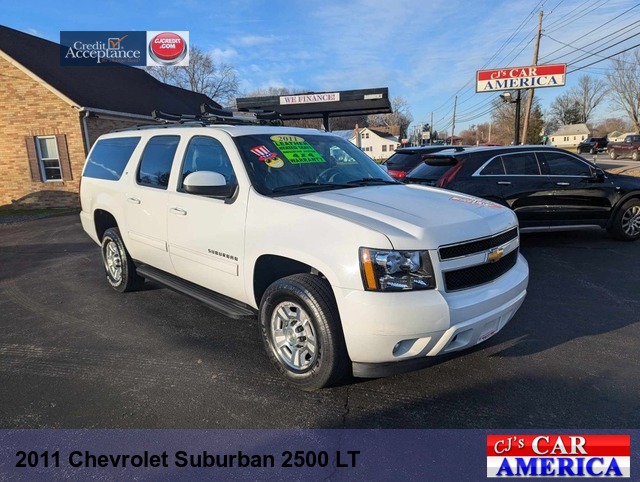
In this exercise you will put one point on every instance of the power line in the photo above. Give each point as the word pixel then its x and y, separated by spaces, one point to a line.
pixel 608 22
pixel 587 11
pixel 602 60
pixel 634 24
pixel 592 54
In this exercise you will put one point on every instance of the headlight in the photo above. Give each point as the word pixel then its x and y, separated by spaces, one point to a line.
pixel 384 270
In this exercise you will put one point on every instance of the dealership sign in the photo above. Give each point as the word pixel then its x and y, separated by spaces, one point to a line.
pixel 511 78
pixel 134 48
pixel 311 98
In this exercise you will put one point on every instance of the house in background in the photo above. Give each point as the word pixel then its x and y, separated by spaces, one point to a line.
pixel 50 116
pixel 377 144
pixel 569 136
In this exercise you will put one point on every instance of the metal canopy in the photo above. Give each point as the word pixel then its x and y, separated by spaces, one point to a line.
pixel 314 105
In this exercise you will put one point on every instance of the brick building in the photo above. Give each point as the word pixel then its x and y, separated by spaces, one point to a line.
pixel 50 116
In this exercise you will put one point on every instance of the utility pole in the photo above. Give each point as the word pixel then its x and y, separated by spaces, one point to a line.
pixel 527 111
pixel 453 126
pixel 431 130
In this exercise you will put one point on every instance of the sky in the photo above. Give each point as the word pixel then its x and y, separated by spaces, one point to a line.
pixel 426 52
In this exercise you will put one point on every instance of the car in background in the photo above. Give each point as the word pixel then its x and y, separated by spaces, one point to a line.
pixel 629 147
pixel 548 188
pixel 406 158
pixel 593 145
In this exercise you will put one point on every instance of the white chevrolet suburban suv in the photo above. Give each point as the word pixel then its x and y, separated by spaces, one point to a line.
pixel 347 270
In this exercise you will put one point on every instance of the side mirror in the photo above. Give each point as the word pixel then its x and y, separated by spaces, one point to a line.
pixel 384 167
pixel 208 183
pixel 598 175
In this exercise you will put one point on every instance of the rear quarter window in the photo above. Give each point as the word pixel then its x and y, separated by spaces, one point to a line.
pixel 404 160
pixel 109 157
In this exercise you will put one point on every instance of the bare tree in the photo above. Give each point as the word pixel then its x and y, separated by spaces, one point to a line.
pixel 624 85
pixel 590 92
pixel 203 75
pixel 566 109
pixel 612 124
pixel 503 119
pixel 400 118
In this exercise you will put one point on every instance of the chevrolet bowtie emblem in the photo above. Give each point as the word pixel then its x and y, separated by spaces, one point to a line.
pixel 495 255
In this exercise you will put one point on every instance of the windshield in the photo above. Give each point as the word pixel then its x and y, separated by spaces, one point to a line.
pixel 289 164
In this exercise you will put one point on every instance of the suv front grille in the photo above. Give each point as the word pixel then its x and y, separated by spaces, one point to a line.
pixel 464 278
pixel 477 245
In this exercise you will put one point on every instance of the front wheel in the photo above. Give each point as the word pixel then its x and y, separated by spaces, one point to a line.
pixel 301 331
pixel 635 156
pixel 118 265
pixel 626 222
pixel 613 155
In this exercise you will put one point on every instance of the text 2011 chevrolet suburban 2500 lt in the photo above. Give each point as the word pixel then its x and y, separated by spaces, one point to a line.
pixel 347 270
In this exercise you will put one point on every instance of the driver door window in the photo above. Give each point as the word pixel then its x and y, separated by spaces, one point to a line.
pixel 206 154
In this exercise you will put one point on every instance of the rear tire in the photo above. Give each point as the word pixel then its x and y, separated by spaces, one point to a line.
pixel 118 265
pixel 301 331
pixel 626 221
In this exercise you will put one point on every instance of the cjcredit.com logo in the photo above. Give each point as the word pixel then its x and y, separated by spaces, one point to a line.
pixel 153 48
pixel 515 456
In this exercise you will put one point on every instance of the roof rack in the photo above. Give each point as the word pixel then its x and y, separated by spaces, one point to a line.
pixel 214 115
pixel 210 115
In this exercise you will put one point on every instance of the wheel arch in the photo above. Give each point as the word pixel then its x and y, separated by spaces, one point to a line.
pixel 271 267
pixel 620 203
pixel 103 220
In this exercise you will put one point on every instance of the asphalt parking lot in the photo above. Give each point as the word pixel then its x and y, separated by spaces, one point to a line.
pixel 76 354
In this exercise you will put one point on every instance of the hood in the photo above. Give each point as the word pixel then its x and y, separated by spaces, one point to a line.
pixel 412 217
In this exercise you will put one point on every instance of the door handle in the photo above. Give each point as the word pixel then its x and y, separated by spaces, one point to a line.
pixel 133 200
pixel 178 211
pixel 563 184
pixel 504 183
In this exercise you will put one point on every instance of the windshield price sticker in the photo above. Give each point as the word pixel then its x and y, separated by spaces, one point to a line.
pixel 296 150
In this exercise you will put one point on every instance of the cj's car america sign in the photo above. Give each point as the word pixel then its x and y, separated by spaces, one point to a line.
pixel 152 48
pixel 511 78
pixel 514 456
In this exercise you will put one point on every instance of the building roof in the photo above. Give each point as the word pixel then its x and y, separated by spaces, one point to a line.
pixel 572 129
pixel 113 87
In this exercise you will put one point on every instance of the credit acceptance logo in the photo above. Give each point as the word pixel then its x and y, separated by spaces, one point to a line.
pixel 134 48
pixel 515 456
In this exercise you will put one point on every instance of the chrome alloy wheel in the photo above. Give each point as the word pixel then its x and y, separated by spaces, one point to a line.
pixel 631 221
pixel 293 336
pixel 113 261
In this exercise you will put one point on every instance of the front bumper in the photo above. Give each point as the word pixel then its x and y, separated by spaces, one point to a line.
pixel 389 328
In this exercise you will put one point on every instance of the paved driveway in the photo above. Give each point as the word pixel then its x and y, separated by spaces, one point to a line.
pixel 74 353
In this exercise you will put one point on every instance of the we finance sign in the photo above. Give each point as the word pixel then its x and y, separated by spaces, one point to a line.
pixel 511 78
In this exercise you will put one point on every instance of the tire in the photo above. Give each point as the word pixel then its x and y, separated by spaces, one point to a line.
pixel 635 156
pixel 613 155
pixel 301 331
pixel 626 221
pixel 118 265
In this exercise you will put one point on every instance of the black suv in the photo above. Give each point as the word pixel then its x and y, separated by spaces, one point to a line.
pixel 406 158
pixel 548 188
pixel 593 145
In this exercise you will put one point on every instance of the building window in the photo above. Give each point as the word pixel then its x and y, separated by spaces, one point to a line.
pixel 384 148
pixel 366 135
pixel 48 158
